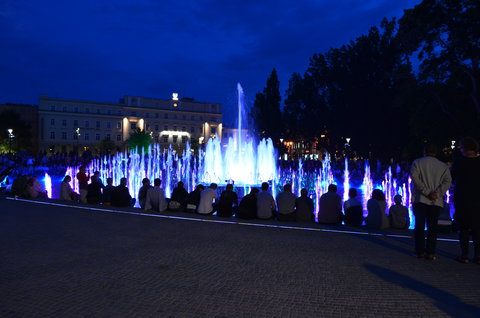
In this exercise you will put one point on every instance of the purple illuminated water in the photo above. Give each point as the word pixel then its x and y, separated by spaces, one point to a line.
pixel 241 160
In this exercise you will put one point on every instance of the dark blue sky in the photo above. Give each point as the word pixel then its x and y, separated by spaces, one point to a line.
pixel 101 50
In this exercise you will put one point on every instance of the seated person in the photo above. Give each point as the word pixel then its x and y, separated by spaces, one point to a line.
pixel 107 192
pixel 265 204
pixel 304 207
pixel 353 209
pixel 142 193
pixel 248 205
pixel 179 198
pixel 156 197
pixel 208 198
pixel 376 206
pixel 34 190
pixel 66 191
pixel 286 204
pixel 121 196
pixel 398 214
pixel 193 199
pixel 228 199
pixel 330 207
pixel 19 186
pixel 94 191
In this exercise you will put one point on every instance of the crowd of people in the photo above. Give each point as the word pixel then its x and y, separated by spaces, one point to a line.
pixel 431 179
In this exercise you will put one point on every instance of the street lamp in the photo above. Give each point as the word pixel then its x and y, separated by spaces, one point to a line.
pixel 78 137
pixel 10 138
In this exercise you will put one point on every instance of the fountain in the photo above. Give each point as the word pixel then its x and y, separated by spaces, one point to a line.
pixel 242 161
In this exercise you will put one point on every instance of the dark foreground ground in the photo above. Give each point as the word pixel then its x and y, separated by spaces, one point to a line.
pixel 72 262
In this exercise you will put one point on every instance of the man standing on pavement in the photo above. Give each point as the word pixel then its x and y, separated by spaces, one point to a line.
pixel 431 179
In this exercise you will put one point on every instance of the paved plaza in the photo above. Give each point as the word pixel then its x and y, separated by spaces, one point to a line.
pixel 60 261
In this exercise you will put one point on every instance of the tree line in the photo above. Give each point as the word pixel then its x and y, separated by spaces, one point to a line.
pixel 403 83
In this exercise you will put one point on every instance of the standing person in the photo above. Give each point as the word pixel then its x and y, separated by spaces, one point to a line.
pixel 228 199
pixel 330 207
pixel 304 207
pixel 286 204
pixel 466 177
pixel 431 179
pixel 207 197
pixel 265 204
pixel 155 199
pixel 83 179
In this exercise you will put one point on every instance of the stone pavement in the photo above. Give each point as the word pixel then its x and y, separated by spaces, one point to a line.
pixel 73 262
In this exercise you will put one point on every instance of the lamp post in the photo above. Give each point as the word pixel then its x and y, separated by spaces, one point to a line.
pixel 10 138
pixel 78 138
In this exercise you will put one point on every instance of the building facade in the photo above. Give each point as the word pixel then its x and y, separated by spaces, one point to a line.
pixel 67 124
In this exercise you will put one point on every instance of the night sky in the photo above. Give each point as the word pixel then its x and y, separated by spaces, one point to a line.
pixel 101 50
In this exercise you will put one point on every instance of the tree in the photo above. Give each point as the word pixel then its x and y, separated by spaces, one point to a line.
pixel 140 140
pixel 106 146
pixel 10 119
pixel 265 112
pixel 444 36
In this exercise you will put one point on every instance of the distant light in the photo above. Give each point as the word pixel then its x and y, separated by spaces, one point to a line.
pixel 175 104
pixel 172 132
pixel 175 97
